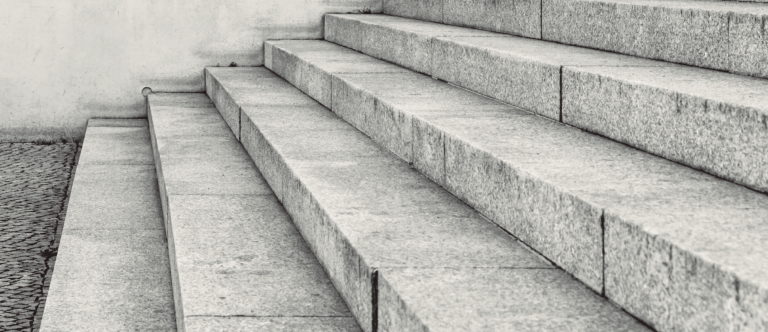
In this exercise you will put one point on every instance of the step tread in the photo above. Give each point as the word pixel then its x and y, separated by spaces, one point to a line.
pixel 235 252
pixel 710 120
pixel 378 214
pixel 650 206
pixel 112 270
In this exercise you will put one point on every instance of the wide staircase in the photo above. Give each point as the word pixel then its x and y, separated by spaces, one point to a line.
pixel 446 165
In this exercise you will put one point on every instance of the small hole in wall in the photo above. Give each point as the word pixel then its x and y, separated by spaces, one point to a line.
pixel 233 64
pixel 146 91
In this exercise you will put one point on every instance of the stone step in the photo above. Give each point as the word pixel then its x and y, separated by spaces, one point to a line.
pixel 709 120
pixel 676 247
pixel 405 254
pixel 112 271
pixel 238 262
pixel 722 35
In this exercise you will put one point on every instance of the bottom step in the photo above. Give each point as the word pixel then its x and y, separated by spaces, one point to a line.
pixel 112 271
pixel 238 262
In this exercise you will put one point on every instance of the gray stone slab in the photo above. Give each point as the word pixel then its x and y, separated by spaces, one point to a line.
pixel 403 41
pixel 116 146
pixel 720 35
pixel 501 300
pixel 188 122
pixel 315 79
pixel 276 324
pixel 709 120
pixel 430 10
pixel 516 17
pixel 114 197
pixel 523 72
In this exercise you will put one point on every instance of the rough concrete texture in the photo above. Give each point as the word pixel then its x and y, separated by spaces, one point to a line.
pixel 238 262
pixel 502 300
pixel 709 120
pixel 430 10
pixel 720 35
pixel 576 181
pixel 34 179
pixel 316 82
pixel 70 65
pixel 112 271
pixel 516 17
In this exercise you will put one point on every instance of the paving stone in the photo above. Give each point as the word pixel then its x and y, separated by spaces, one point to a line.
pixel 721 35
pixel 709 120
pixel 533 300
pixel 34 178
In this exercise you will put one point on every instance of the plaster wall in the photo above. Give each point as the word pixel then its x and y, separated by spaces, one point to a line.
pixel 64 61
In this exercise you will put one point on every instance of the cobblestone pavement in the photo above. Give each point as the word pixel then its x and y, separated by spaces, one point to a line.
pixel 34 179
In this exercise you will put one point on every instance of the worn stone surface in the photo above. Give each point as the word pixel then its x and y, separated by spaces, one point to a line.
pixel 749 47
pixel 709 120
pixel 34 179
pixel 117 191
pixel 276 324
pixel 523 72
pixel 112 271
pixel 315 79
pixel 236 253
pixel 430 10
pixel 100 147
pixel 720 35
pixel 516 17
pixel 501 300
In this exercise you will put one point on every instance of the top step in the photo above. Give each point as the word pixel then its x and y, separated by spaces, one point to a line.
pixel 722 35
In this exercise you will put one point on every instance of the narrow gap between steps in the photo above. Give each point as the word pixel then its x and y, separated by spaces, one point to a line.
pixel 560 106
pixel 375 301
pixel 602 248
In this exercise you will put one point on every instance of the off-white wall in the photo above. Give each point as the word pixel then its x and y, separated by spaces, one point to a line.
pixel 64 61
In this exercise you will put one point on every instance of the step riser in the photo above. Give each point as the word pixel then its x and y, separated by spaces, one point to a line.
pixel 707 37
pixel 597 91
pixel 486 183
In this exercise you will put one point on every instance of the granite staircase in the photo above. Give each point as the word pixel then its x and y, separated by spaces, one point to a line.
pixel 462 165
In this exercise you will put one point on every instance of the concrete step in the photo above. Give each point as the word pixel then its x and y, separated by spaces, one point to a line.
pixel 238 262
pixel 112 271
pixel 676 247
pixel 723 35
pixel 405 254
pixel 709 120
